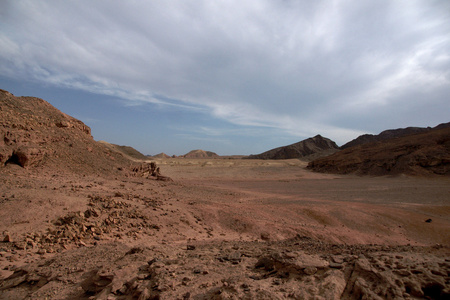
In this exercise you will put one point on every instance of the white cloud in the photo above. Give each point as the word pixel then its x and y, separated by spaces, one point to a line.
pixel 304 67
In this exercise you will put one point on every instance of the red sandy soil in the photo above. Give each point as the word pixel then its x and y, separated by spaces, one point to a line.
pixel 223 229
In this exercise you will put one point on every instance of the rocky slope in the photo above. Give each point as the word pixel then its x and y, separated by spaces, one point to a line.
pixel 127 151
pixel 389 134
pixel 34 134
pixel 317 146
pixel 418 154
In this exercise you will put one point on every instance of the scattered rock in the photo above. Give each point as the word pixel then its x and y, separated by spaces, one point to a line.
pixel 336 265
pixel 235 257
pixel 265 236
pixel 310 270
pixel 96 282
pixel 7 238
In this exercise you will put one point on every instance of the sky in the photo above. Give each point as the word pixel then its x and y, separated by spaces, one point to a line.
pixel 231 76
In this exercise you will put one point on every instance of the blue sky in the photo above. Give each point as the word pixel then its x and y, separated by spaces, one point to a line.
pixel 233 77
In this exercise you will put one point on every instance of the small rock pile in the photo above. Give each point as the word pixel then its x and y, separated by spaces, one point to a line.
pixel 149 170
pixel 146 170
pixel 105 216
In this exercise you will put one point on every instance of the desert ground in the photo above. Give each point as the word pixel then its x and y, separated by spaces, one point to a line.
pixel 223 229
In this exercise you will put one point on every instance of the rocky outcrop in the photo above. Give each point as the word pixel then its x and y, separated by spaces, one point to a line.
pixel 149 171
pixel 34 134
pixel 313 146
pixel 301 268
pixel 417 154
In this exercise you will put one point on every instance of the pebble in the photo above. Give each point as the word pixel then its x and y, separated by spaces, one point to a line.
pixel 290 255
pixel 403 272
pixel 7 238
pixel 337 259
pixel 336 265
pixel 439 273
pixel 310 270
pixel 235 257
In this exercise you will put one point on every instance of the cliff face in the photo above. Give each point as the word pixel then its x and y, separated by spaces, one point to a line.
pixel 311 146
pixel 417 154
pixel 33 133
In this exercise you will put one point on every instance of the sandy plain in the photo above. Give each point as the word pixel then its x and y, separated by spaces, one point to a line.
pixel 283 198
pixel 223 229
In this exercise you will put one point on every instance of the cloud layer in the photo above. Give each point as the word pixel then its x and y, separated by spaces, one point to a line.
pixel 339 68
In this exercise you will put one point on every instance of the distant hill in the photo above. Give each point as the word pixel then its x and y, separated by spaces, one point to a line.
pixel 317 146
pixel 200 154
pixel 415 154
pixel 161 155
pixel 391 133
pixel 125 150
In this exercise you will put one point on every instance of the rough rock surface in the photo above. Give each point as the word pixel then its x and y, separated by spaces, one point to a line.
pixel 299 268
pixel 418 154
pixel 317 145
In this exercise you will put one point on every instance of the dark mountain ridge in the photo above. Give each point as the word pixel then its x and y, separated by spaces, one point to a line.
pixel 389 134
pixel 425 153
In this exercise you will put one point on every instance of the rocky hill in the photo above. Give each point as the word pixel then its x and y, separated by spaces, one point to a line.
pixel 389 134
pixel 315 146
pixel 161 155
pixel 417 154
pixel 34 134
pixel 200 154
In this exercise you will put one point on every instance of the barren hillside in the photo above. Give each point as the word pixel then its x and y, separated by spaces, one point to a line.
pixel 35 134
pixel 127 151
pixel 389 134
pixel 417 154
pixel 161 155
